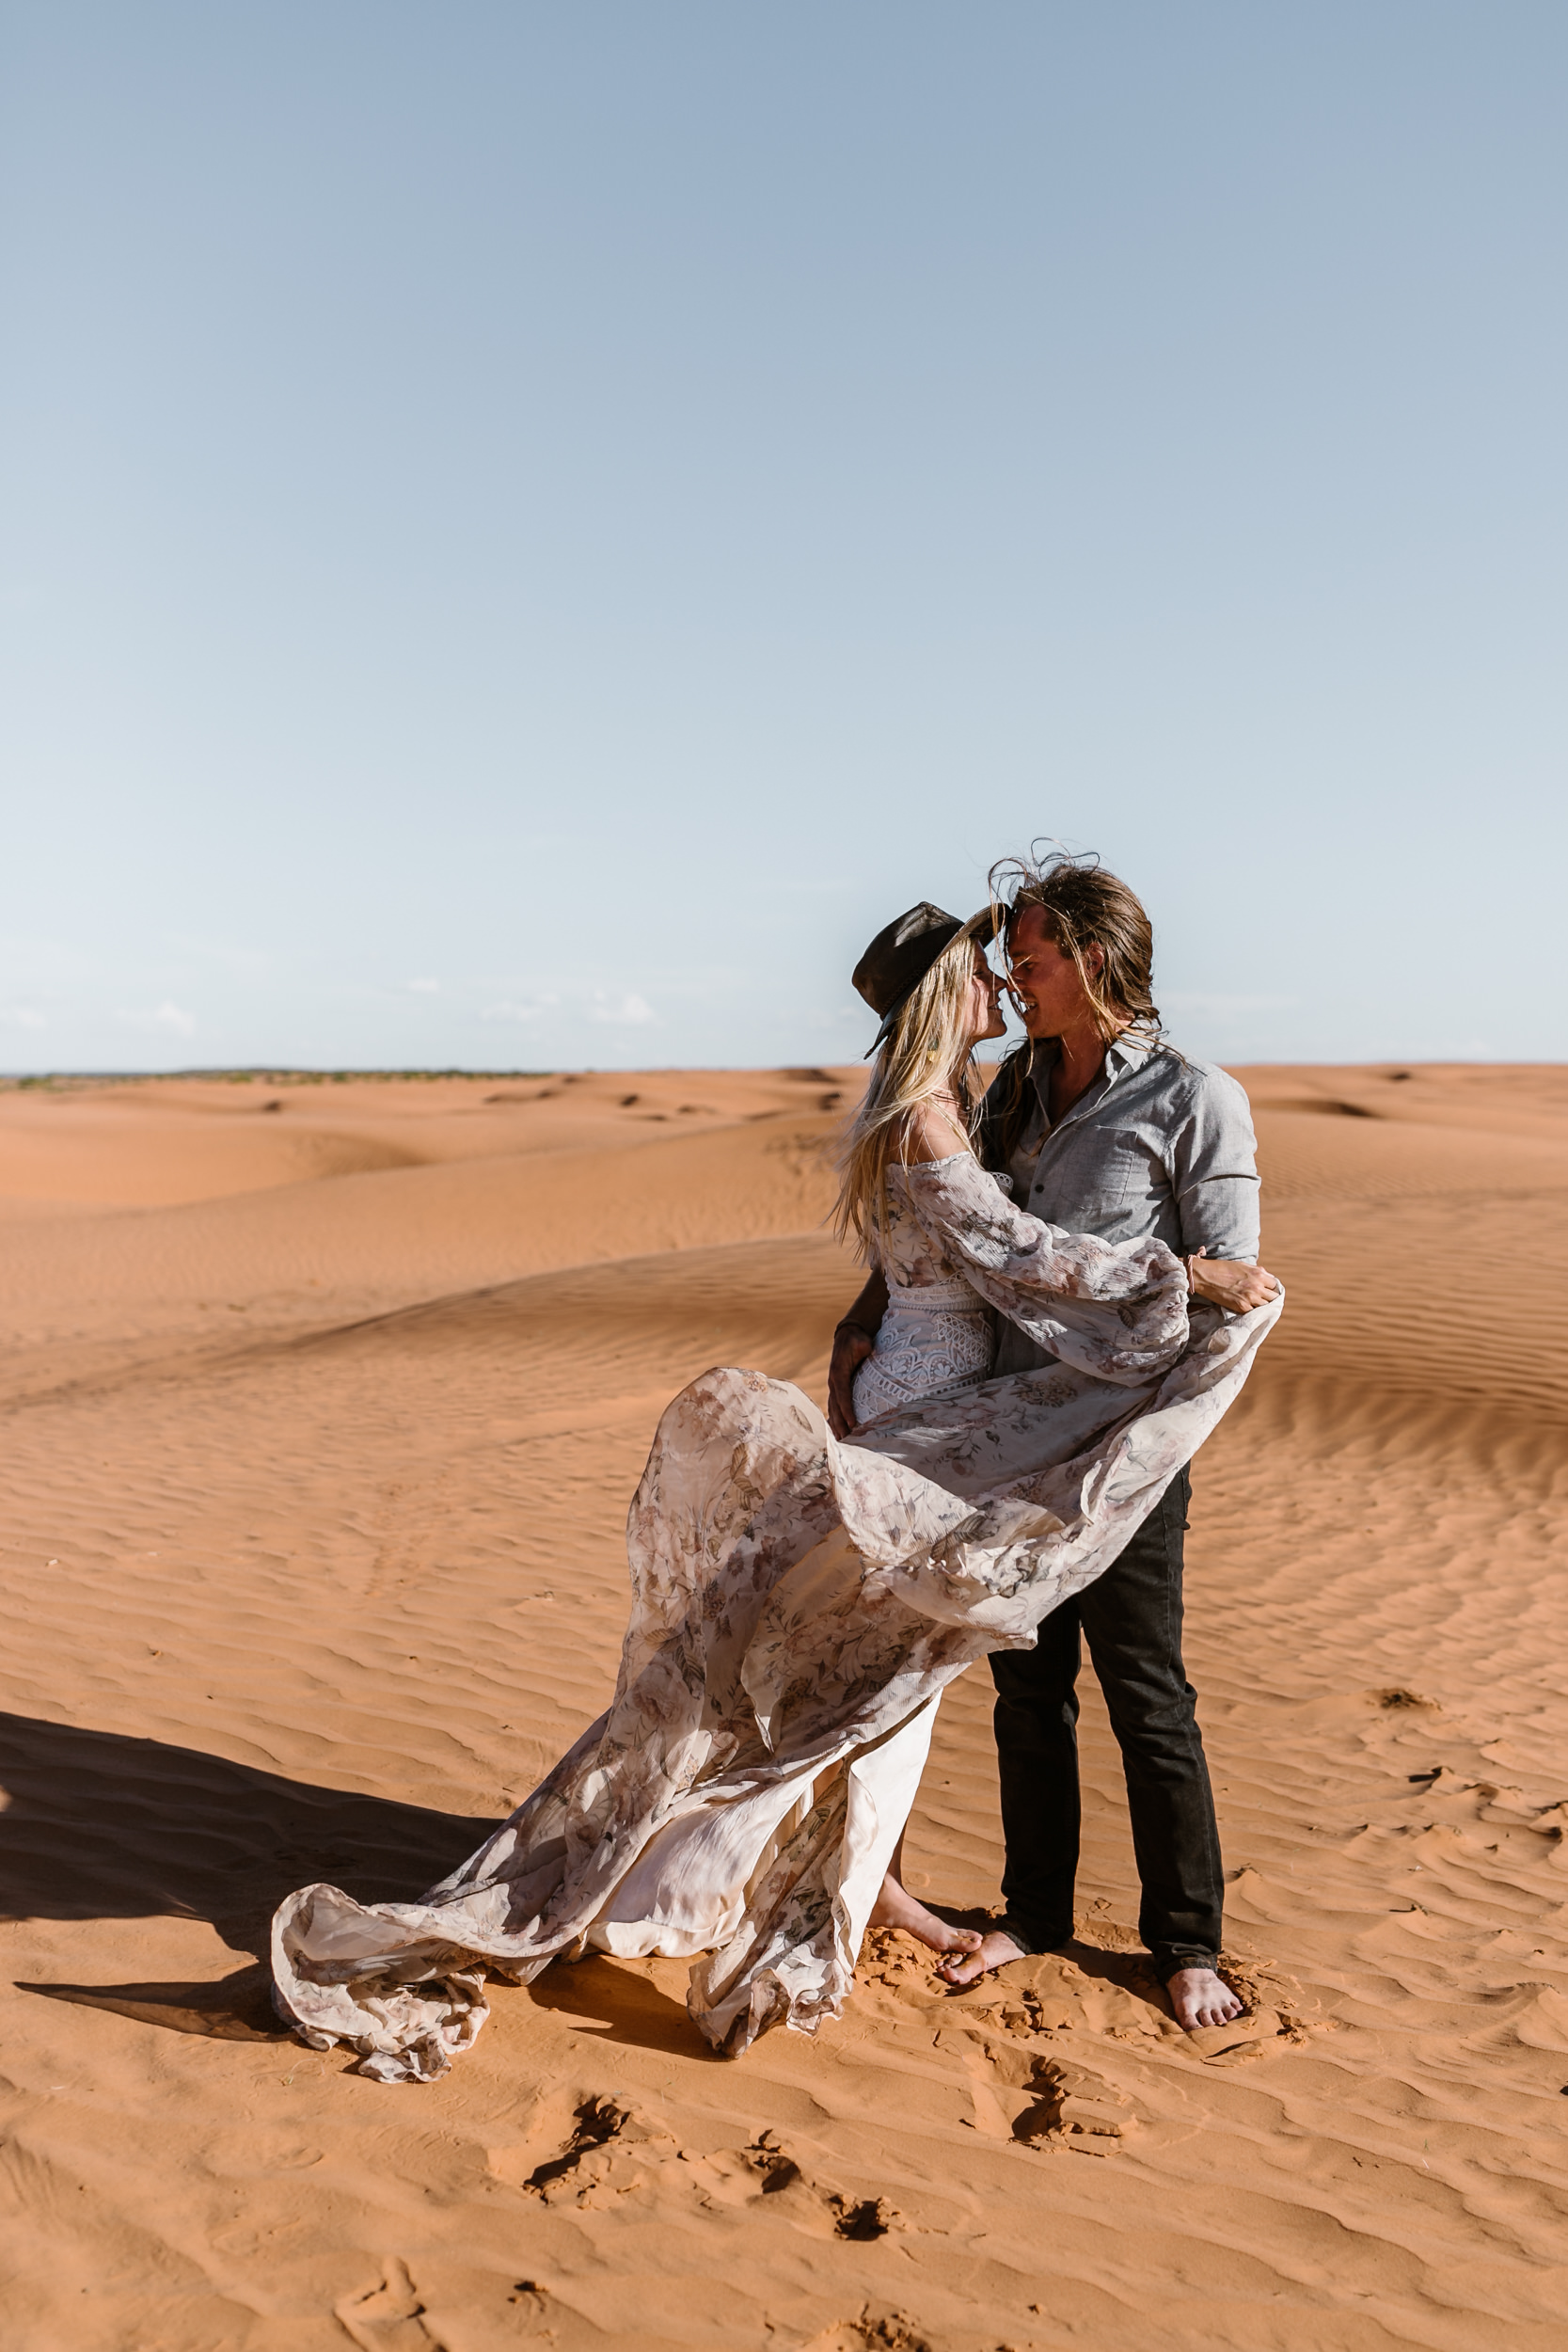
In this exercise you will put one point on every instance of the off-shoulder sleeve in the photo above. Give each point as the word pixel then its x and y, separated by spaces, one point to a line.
pixel 1117 1309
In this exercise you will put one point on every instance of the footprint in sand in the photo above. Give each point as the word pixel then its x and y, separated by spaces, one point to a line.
pixel 605 2153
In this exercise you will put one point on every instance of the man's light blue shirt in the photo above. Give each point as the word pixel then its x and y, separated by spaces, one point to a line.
pixel 1156 1145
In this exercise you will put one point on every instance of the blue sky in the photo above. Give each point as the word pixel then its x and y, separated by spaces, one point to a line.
pixel 530 532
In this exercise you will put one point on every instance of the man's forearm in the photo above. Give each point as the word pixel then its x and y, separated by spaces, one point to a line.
pixel 870 1307
pixel 853 1340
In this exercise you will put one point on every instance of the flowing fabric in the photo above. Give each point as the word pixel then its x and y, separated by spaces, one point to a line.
pixel 798 1607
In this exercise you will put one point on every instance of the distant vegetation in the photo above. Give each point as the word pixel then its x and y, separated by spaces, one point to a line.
pixel 255 1077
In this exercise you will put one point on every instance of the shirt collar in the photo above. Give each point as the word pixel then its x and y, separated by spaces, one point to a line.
pixel 1129 1051
pixel 1126 1053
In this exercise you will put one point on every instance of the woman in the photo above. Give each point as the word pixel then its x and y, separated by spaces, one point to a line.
pixel 800 1604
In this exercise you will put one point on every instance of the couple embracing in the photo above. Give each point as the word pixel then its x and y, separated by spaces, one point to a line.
pixel 1062 1302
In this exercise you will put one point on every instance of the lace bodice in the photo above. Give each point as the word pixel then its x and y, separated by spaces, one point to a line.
pixel 938 1335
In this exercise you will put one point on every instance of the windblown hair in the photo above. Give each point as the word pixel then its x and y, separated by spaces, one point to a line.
pixel 928 1052
pixel 1085 907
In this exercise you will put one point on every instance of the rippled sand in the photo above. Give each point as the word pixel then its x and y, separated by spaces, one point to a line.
pixel 324 1404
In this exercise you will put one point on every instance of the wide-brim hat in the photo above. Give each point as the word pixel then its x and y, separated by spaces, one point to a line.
pixel 904 951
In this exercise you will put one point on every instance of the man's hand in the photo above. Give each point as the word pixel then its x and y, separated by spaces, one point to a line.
pixel 851 1346
pixel 853 1341
pixel 1230 1284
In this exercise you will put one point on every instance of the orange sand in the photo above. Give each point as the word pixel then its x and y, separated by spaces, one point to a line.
pixel 324 1406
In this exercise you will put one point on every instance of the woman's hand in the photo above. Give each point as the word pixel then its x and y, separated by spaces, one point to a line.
pixel 1230 1284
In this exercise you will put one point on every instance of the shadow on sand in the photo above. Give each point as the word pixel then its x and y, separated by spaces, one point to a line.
pixel 609 2000
pixel 1133 1972
pixel 101 1826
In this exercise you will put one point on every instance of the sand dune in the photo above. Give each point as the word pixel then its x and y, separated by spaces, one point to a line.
pixel 287 1391
pixel 170 1140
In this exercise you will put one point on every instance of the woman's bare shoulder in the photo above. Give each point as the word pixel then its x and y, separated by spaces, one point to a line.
pixel 931 1134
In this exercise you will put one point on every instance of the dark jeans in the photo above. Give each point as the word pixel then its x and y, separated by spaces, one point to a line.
pixel 1132 1618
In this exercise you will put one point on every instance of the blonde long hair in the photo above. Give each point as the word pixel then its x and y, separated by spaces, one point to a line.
pixel 928 1050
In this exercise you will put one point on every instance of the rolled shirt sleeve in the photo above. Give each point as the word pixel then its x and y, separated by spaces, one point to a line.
pixel 1213 1169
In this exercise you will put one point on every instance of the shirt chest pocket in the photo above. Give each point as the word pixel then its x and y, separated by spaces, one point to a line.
pixel 1126 1168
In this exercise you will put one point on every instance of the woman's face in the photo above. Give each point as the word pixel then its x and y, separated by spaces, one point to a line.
pixel 984 1009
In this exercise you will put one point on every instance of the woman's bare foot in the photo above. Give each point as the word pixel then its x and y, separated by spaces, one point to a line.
pixel 1202 1999
pixel 896 1907
pixel 985 1952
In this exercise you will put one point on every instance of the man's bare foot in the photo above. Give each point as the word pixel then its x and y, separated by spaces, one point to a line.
pixel 1202 1999
pixel 986 1953
pixel 896 1907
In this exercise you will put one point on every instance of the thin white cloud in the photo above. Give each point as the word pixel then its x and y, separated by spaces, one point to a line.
pixel 425 988
pixel 22 1017
pixel 623 1011
pixel 511 1012
pixel 165 1016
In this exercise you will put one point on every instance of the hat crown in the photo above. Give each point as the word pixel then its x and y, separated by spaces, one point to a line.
pixel 902 953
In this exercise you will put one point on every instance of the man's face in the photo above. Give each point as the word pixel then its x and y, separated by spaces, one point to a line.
pixel 1050 996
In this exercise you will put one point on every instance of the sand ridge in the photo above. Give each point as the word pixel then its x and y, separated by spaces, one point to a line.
pixel 318 1444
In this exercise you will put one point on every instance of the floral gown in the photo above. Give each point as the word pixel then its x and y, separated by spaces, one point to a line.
pixel 798 1607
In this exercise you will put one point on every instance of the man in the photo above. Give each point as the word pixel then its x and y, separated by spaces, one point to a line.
pixel 1106 1130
